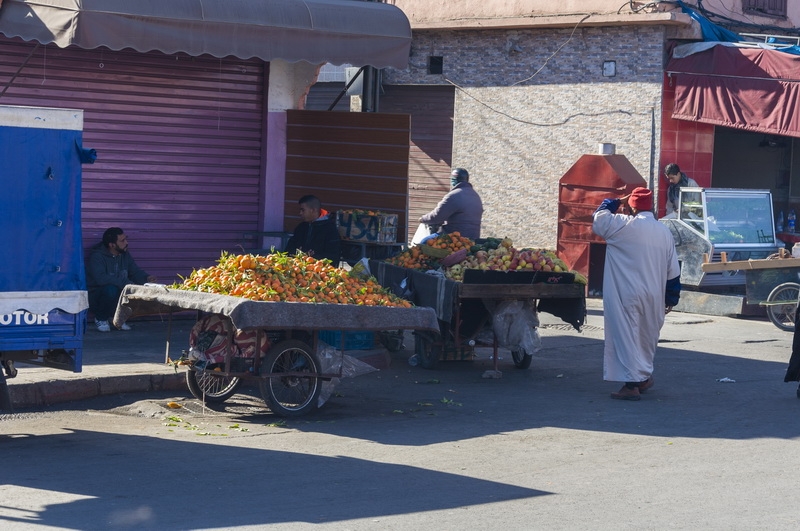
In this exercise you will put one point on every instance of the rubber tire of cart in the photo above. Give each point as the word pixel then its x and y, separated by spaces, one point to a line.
pixel 217 388
pixel 5 394
pixel 522 360
pixel 392 340
pixel 789 292
pixel 427 352
pixel 291 396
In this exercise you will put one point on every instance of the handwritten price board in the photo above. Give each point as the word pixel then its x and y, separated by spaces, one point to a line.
pixel 381 228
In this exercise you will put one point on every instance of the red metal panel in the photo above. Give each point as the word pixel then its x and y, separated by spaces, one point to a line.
pixel 179 143
pixel 581 189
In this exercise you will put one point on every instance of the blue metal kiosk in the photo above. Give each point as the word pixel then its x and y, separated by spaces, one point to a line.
pixel 43 298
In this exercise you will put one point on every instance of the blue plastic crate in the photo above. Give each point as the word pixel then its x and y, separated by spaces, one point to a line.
pixel 353 339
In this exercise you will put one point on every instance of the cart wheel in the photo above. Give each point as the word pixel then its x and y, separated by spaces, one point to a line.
pixel 782 315
pixel 207 384
pixel 427 351
pixel 522 360
pixel 392 340
pixel 290 396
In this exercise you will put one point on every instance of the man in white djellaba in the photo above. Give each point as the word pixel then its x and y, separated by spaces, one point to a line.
pixel 641 284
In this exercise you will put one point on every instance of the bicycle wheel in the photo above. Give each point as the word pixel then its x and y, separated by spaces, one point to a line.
pixel 782 315
pixel 294 395
pixel 210 386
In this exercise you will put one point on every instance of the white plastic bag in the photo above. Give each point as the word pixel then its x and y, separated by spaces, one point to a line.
pixel 515 324
pixel 331 361
pixel 423 233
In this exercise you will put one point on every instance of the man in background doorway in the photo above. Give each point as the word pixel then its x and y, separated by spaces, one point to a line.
pixel 677 180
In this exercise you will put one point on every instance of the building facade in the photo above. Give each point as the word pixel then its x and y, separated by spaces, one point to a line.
pixel 535 85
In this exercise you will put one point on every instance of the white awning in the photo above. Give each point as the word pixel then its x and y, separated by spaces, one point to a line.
pixel 317 31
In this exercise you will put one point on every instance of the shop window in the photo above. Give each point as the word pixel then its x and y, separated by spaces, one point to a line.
pixel 776 8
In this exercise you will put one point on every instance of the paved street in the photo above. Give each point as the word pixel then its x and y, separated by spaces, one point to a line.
pixel 406 448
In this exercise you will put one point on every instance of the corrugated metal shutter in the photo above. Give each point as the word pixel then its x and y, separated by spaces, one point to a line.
pixel 431 109
pixel 348 160
pixel 179 143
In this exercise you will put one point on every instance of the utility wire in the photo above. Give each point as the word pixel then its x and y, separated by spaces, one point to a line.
pixel 552 54
pixel 542 124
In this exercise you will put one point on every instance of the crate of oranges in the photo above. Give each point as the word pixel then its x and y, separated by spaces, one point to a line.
pixel 428 255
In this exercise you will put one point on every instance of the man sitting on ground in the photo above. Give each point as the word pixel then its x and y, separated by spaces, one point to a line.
pixel 110 269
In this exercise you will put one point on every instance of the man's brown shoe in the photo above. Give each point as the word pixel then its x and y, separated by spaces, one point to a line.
pixel 647 384
pixel 627 394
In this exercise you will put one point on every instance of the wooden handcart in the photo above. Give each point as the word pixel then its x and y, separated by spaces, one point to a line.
pixel 771 282
pixel 290 374
pixel 464 309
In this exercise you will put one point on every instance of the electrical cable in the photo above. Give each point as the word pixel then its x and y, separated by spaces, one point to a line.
pixel 552 54
pixel 542 124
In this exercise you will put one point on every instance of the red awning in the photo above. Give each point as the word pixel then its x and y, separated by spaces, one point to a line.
pixel 753 89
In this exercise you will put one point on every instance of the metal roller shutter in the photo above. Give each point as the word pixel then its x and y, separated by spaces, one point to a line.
pixel 431 109
pixel 179 143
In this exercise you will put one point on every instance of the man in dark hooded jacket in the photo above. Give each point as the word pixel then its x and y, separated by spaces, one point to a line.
pixel 317 235
pixel 109 270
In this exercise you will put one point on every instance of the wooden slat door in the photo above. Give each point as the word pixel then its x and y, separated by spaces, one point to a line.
pixel 348 160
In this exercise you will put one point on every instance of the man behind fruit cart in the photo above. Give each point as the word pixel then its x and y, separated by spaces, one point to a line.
pixel 109 270
pixel 460 210
pixel 317 235
pixel 641 284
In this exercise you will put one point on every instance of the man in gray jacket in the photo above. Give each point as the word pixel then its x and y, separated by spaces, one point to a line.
pixel 461 210
pixel 110 269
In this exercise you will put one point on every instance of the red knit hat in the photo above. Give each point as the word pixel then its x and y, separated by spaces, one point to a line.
pixel 641 199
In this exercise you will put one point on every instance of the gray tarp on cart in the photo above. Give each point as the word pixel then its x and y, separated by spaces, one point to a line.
pixel 246 314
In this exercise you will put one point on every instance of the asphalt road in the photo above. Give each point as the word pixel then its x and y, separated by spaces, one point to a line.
pixel 407 448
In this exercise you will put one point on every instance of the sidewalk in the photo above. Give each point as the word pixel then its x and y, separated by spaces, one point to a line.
pixel 113 362
pixel 128 362
pixel 134 361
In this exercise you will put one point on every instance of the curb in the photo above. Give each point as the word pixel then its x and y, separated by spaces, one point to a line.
pixel 55 391
pixel 52 392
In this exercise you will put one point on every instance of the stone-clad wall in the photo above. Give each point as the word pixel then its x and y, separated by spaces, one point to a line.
pixel 518 136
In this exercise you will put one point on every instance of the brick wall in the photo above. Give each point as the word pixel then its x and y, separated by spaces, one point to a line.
pixel 519 134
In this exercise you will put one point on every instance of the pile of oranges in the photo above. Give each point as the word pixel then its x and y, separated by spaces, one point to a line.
pixel 450 242
pixel 281 277
pixel 415 258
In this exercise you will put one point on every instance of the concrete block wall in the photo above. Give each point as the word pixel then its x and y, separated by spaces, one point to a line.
pixel 529 103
